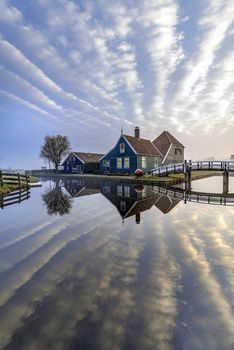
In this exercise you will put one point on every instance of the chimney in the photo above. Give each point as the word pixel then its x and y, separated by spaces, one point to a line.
pixel 137 132
pixel 138 218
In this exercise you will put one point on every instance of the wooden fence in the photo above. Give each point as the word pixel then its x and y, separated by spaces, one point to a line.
pixel 21 181
pixel 14 197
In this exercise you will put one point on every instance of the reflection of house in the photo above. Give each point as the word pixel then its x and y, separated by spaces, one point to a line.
pixel 81 187
pixel 170 148
pixel 78 162
pixel 165 203
pixel 130 153
pixel 129 199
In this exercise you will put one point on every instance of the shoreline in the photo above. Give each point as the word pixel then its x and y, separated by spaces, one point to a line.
pixel 148 180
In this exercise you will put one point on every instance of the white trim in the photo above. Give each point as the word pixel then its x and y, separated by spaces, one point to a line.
pixel 117 163
pixel 167 153
pixel 157 150
pixel 72 153
pixel 134 204
pixel 116 145
pixel 130 145
pixel 78 158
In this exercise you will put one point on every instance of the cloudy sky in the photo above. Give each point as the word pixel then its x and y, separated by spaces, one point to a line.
pixel 86 68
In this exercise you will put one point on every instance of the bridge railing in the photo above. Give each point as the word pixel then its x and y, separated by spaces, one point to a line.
pixel 168 169
pixel 189 166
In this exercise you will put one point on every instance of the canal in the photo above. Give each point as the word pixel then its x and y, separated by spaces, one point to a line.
pixel 103 265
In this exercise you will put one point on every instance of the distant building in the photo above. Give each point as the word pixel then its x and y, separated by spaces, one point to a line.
pixel 80 162
pixel 171 149
pixel 129 154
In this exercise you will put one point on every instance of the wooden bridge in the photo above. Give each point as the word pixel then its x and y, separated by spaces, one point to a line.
pixel 188 166
pixel 198 197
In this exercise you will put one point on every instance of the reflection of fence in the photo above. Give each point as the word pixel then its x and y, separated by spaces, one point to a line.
pixel 14 197
pixel 18 180
pixel 198 197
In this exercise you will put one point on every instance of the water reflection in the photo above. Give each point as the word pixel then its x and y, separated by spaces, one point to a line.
pixel 83 281
pixel 56 201
pixel 129 199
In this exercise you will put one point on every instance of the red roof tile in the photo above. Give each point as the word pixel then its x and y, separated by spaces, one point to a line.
pixel 88 157
pixel 142 146
pixel 164 140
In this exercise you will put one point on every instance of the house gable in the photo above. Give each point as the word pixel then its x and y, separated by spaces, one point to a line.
pixel 127 151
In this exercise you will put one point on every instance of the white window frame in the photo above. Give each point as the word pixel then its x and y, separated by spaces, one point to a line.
pixel 122 148
pixel 128 159
pixel 119 191
pixel 127 191
pixel 118 165
pixel 143 162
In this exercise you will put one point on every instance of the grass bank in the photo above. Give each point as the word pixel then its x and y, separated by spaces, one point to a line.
pixel 145 180
pixel 196 175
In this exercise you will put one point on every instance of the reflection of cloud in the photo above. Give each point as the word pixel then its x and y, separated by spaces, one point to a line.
pixel 206 309
pixel 148 286
pixel 26 246
pixel 21 233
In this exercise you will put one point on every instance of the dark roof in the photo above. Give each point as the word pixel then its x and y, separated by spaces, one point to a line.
pixel 164 140
pixel 141 205
pixel 88 157
pixel 142 146
pixel 166 203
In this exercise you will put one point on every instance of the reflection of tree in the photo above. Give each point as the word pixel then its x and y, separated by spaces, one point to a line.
pixel 57 202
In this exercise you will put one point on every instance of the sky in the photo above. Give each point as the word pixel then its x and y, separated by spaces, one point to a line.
pixel 87 68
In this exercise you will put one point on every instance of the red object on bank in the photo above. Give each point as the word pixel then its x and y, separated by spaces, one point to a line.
pixel 139 188
pixel 139 173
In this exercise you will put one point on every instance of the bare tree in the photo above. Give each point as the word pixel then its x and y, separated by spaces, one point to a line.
pixel 55 148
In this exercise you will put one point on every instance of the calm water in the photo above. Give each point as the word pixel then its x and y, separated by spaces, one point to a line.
pixel 86 265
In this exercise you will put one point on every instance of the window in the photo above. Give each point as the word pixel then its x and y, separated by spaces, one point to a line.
pixel 126 163
pixel 143 162
pixel 127 191
pixel 155 162
pixel 119 163
pixel 106 163
pixel 122 148
pixel 106 189
pixel 178 151
pixel 119 191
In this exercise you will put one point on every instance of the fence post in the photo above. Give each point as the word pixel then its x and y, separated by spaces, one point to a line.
pixel 19 180
pixel 27 180
pixel 1 178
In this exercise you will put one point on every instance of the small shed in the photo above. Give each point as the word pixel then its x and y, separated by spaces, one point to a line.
pixel 82 163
